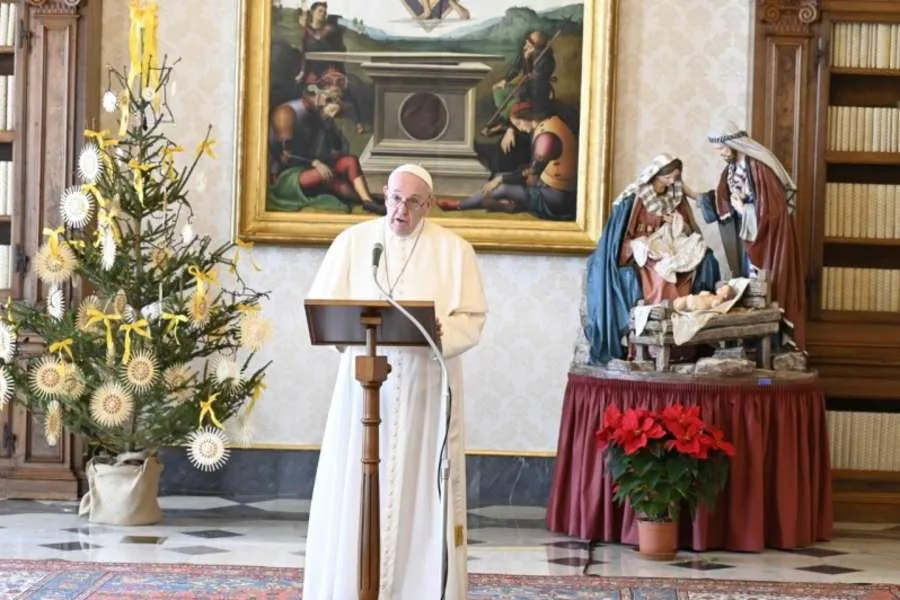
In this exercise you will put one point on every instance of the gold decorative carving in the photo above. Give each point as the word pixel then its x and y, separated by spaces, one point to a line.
pixel 789 16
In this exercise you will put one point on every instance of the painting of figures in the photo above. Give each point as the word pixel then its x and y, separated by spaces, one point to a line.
pixel 489 97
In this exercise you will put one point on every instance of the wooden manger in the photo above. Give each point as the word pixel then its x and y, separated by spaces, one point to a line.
pixel 754 316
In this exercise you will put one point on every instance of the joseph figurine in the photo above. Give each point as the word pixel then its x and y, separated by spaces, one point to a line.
pixel 754 205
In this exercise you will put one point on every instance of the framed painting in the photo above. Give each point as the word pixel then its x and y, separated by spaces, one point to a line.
pixel 507 103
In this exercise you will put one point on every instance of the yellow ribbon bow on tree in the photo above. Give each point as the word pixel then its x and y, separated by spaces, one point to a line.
pixel 139 327
pixel 139 169
pixel 100 136
pixel 142 46
pixel 93 191
pixel 174 320
pixel 205 147
pixel 242 245
pixel 203 279
pixel 103 140
pixel 248 309
pixel 63 346
pixel 53 238
pixel 207 409
pixel 150 62
pixel 255 394
pixel 169 160
pixel 96 316
pixel 123 117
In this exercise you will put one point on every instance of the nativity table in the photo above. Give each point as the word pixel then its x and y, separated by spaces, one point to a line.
pixel 779 487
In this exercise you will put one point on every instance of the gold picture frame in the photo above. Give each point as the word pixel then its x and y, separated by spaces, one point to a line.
pixel 255 222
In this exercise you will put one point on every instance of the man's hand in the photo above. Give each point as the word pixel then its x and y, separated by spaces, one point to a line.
pixel 323 170
pixel 737 202
pixel 508 141
pixel 491 185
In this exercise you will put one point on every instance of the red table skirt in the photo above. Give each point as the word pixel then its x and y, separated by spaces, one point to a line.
pixel 779 488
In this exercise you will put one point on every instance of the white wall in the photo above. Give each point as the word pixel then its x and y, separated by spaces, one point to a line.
pixel 683 69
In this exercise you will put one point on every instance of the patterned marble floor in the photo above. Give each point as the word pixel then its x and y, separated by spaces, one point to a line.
pixel 503 539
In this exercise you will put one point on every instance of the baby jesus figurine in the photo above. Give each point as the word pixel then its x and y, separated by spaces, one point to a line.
pixel 704 300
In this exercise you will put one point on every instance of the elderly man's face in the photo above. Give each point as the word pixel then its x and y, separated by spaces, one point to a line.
pixel 407 199
pixel 727 154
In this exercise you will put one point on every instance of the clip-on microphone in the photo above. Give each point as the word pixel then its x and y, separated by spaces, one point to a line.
pixel 447 398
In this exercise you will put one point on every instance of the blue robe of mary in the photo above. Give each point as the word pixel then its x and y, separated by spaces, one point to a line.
pixel 612 289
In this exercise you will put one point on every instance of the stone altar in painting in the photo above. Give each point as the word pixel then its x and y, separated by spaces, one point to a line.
pixel 424 113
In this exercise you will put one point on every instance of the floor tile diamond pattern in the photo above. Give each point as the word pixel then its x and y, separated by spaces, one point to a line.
pixel 504 539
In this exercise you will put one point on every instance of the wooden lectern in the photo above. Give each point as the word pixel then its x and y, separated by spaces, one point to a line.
pixel 372 324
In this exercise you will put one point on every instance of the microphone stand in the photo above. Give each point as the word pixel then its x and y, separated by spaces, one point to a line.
pixel 447 402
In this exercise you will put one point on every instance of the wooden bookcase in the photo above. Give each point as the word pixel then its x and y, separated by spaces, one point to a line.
pixel 855 243
pixel 826 99
pixel 54 55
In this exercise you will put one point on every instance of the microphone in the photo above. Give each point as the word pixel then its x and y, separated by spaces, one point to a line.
pixel 447 398
pixel 377 249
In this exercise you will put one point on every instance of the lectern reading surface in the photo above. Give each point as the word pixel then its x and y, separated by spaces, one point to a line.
pixel 370 323
pixel 336 322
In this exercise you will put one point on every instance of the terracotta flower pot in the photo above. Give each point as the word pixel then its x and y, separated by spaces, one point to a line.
pixel 657 540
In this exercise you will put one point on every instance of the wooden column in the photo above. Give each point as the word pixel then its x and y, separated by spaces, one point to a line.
pixel 49 124
pixel 371 372
pixel 785 57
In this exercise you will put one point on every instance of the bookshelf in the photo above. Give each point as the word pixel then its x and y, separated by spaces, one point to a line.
pixel 9 17
pixel 826 100
pixel 855 249
pixel 855 225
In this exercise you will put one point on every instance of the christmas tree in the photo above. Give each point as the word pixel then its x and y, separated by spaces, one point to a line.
pixel 158 351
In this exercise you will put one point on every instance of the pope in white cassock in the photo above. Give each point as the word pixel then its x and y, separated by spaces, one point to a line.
pixel 422 261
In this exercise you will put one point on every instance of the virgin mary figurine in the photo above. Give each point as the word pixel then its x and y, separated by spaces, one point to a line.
pixel 650 249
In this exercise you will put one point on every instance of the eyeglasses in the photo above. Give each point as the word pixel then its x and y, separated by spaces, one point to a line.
pixel 410 203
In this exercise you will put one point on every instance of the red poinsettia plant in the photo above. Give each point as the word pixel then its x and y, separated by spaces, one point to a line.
pixel 660 460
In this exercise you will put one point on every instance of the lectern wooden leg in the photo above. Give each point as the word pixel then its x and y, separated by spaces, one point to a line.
pixel 371 372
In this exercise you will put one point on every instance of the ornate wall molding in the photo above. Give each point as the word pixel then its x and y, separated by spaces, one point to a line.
pixel 789 17
pixel 53 7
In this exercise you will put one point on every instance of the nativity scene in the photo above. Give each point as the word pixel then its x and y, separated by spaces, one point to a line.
pixel 655 299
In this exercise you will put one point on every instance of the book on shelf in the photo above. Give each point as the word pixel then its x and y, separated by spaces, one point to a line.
pixel 863 129
pixel 5 267
pixel 865 46
pixel 8 85
pixel 860 289
pixel 7 24
pixel 6 187
pixel 862 210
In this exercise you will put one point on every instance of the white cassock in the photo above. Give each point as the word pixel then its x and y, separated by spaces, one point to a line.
pixel 432 264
